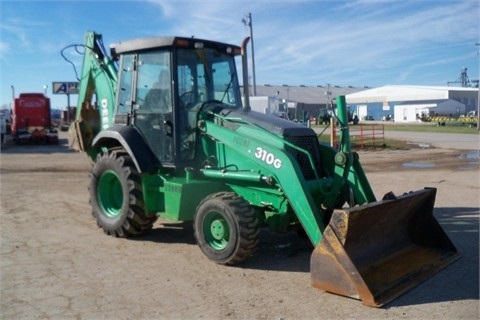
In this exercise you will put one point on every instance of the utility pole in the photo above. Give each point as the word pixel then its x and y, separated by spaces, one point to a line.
pixel 478 97
pixel 478 110
pixel 328 102
pixel 249 24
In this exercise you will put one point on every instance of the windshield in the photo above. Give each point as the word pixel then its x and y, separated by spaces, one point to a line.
pixel 205 75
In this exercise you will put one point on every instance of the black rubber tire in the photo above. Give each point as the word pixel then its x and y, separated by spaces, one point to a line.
pixel 239 237
pixel 116 196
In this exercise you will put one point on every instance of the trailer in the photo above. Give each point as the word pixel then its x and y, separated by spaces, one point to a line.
pixel 32 120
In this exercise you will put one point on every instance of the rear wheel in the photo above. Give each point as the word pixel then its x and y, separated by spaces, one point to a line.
pixel 226 228
pixel 116 196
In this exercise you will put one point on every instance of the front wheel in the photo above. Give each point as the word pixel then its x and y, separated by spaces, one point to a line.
pixel 116 196
pixel 226 228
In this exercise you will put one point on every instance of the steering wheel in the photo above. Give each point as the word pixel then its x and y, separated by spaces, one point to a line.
pixel 188 98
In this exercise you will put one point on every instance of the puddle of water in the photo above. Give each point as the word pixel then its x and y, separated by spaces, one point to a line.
pixel 467 161
pixel 473 158
pixel 420 144
pixel 419 165
pixel 474 155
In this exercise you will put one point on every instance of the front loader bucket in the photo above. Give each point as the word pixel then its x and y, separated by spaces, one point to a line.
pixel 378 251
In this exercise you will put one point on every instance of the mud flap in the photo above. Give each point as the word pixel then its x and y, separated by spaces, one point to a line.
pixel 378 251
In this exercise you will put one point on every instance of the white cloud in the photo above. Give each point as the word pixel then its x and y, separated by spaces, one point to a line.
pixel 4 48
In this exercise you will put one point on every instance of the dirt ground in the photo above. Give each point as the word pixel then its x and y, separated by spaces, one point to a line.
pixel 56 264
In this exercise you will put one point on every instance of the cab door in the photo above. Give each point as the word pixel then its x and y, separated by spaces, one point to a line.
pixel 153 115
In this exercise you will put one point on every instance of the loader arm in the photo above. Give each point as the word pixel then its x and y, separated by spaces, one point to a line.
pixel 270 164
pixel 343 178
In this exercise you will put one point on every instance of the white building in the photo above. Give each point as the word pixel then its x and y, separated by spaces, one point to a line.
pixel 411 111
pixel 408 103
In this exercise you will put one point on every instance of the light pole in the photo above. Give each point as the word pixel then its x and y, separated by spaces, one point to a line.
pixel 45 87
pixel 249 24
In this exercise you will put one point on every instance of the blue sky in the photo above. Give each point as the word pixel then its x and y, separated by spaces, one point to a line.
pixel 346 43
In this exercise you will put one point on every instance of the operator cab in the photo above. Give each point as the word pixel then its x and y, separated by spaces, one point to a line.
pixel 164 82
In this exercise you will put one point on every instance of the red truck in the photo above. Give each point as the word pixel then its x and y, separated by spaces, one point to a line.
pixel 32 120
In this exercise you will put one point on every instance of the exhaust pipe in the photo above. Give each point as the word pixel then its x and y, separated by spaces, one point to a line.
pixel 246 94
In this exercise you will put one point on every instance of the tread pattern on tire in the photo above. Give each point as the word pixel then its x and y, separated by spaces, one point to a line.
pixel 247 221
pixel 135 222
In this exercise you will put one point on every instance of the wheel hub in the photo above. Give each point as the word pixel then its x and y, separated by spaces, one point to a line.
pixel 110 194
pixel 217 229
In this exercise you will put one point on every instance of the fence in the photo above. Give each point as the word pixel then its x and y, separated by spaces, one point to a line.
pixel 362 135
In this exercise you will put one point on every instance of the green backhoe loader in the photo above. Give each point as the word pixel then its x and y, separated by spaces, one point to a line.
pixel 163 122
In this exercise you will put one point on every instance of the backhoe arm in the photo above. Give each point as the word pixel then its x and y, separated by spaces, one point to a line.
pixel 98 80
